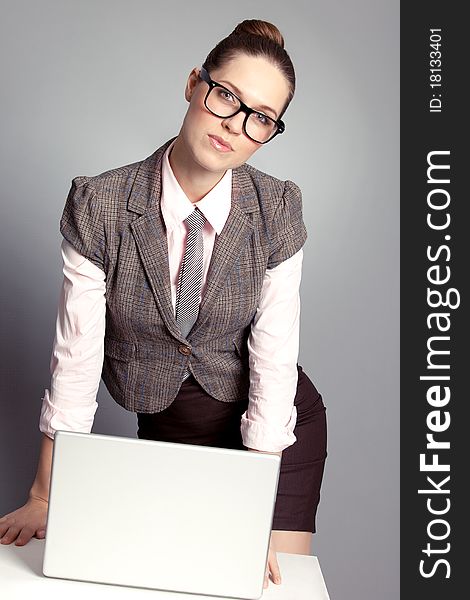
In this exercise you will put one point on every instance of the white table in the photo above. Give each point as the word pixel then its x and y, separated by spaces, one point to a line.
pixel 21 578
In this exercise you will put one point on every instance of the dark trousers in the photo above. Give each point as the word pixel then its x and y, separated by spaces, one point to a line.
pixel 195 417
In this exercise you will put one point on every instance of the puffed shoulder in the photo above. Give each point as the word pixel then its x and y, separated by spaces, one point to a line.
pixel 288 231
pixel 82 223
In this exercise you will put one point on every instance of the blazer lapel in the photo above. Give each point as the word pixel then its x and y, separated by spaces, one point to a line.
pixel 230 243
pixel 150 237
pixel 150 234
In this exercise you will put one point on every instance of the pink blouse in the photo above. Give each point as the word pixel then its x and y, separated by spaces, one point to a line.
pixel 273 342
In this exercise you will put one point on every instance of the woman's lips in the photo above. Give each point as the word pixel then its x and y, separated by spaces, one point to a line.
pixel 219 144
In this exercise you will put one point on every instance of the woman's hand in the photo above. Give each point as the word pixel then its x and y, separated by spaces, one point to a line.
pixel 24 523
pixel 272 566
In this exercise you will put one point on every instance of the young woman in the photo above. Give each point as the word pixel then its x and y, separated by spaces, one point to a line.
pixel 181 289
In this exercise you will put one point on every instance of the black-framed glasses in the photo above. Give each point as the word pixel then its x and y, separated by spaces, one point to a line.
pixel 223 103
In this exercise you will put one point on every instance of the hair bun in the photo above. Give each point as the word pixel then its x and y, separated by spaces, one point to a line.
pixel 262 28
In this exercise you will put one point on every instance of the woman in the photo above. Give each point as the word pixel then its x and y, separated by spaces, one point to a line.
pixel 183 270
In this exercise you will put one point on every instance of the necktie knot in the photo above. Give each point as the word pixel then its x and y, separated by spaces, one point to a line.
pixel 195 220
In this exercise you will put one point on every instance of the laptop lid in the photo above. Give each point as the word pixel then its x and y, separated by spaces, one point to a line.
pixel 160 515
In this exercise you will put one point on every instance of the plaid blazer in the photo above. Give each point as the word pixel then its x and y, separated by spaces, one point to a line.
pixel 114 220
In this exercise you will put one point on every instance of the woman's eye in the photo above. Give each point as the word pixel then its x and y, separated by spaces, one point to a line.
pixel 262 119
pixel 227 96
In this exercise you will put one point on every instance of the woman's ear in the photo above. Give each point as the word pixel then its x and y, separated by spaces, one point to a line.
pixel 191 83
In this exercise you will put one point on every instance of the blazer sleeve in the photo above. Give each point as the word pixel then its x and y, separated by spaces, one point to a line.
pixel 288 232
pixel 82 222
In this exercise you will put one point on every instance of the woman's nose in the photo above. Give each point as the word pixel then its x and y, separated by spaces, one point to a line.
pixel 235 123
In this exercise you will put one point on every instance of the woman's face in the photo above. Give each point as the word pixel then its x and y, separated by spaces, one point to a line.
pixel 258 84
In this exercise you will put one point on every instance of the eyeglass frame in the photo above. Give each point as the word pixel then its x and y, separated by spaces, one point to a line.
pixel 204 75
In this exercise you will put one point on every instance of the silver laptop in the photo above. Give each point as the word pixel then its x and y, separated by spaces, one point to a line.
pixel 160 515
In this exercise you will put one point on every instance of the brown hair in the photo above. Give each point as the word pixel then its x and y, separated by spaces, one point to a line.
pixel 254 38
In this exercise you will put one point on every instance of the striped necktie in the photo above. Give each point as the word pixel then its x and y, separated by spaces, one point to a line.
pixel 190 277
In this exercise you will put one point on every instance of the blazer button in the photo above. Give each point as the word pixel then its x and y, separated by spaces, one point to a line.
pixel 184 350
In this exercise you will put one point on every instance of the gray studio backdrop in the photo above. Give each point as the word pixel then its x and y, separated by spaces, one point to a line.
pixel 90 85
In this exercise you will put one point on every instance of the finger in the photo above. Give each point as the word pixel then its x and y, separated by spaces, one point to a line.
pixel 41 534
pixel 266 580
pixel 4 527
pixel 10 535
pixel 5 523
pixel 275 571
pixel 25 535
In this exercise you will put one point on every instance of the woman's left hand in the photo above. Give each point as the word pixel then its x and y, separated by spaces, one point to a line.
pixel 272 566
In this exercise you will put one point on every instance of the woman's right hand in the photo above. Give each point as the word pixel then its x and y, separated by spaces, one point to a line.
pixel 24 523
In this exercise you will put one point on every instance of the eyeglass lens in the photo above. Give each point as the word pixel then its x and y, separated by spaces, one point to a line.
pixel 223 104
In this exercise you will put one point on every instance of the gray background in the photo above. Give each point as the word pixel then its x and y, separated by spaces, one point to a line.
pixel 90 85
